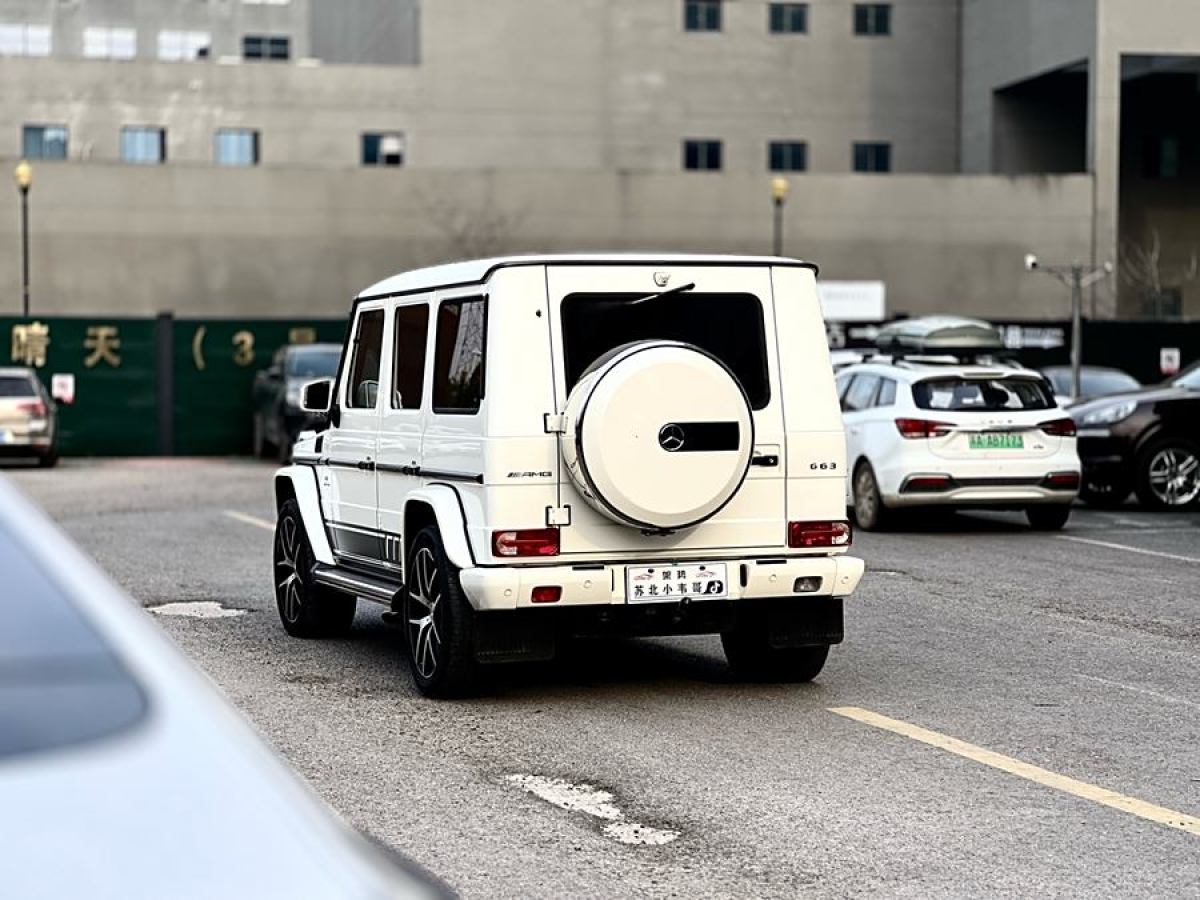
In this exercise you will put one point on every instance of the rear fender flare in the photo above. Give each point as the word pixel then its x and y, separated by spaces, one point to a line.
pixel 300 482
pixel 451 522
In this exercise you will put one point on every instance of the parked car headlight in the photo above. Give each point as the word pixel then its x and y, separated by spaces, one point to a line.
pixel 292 397
pixel 1109 415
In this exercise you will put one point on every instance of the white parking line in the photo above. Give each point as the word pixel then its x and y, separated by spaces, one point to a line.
pixel 200 609
pixel 1145 692
pixel 594 802
pixel 250 520
pixel 1036 774
pixel 1110 545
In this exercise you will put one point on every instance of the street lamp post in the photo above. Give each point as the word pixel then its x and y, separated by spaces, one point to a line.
pixel 1077 278
pixel 23 176
pixel 779 192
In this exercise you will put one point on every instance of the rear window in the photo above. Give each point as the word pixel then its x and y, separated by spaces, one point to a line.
pixel 983 394
pixel 17 386
pixel 314 363
pixel 59 683
pixel 729 326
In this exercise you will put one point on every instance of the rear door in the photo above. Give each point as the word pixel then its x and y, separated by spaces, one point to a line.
pixel 727 312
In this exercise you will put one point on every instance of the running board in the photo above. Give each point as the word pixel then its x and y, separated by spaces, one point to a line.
pixel 356 583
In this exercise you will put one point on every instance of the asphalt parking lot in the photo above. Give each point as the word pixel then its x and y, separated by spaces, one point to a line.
pixel 1012 713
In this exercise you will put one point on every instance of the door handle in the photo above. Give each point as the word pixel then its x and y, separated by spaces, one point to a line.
pixel 766 460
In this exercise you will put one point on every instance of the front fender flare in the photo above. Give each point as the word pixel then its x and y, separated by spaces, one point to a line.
pixel 451 522
pixel 303 481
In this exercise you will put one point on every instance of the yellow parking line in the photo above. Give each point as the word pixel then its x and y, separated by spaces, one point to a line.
pixel 1103 796
pixel 250 520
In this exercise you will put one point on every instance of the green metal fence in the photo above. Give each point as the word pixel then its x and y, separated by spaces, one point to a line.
pixel 145 386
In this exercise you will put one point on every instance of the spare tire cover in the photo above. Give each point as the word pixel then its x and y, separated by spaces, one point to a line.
pixel 659 435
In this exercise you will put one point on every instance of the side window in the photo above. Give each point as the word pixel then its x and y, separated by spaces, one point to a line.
pixel 363 384
pixel 861 393
pixel 408 356
pixel 887 393
pixel 458 362
pixel 842 382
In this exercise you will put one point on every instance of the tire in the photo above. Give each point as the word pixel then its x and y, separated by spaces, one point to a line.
pixel 752 658
pixel 306 609
pixel 1104 495
pixel 49 459
pixel 1048 518
pixel 438 622
pixel 1167 474
pixel 870 513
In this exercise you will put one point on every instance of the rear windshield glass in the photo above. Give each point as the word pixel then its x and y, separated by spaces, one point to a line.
pixel 729 326
pixel 16 386
pixel 314 363
pixel 984 394
pixel 59 682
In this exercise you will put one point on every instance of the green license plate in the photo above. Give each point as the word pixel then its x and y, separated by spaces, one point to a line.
pixel 996 441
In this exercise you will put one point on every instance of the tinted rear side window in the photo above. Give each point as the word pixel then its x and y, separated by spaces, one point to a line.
pixel 408 358
pixel 458 360
pixel 16 386
pixel 59 683
pixel 729 326
pixel 982 394
pixel 862 393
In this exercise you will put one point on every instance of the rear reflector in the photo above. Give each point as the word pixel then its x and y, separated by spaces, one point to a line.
pixel 819 534
pixel 926 483
pixel 546 594
pixel 1063 481
pixel 527 542
pixel 1059 427
pixel 922 428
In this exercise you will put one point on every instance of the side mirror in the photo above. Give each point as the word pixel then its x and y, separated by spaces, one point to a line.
pixel 317 396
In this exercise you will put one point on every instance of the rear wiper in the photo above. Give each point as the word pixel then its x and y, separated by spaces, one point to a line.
pixel 677 290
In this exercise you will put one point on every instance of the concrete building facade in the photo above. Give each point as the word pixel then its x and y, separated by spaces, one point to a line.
pixel 928 143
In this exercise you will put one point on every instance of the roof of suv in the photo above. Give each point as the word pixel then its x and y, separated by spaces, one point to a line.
pixel 909 369
pixel 477 270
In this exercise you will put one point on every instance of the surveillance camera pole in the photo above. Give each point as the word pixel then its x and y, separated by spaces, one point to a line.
pixel 1077 278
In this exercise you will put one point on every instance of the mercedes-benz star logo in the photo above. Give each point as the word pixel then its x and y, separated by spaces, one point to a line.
pixel 671 438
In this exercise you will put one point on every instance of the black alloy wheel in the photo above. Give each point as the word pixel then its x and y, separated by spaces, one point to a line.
pixel 438 621
pixel 306 609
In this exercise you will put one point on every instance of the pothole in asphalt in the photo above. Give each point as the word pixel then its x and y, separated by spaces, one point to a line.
pixel 596 803
pixel 198 609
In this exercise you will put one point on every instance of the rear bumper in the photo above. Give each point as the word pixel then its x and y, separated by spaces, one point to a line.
pixel 26 445
pixel 501 588
pixel 985 492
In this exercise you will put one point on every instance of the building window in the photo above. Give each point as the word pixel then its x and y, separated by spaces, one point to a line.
pixel 25 40
pixel 873 18
pixel 1163 157
pixel 143 144
pixel 872 157
pixel 789 18
pixel 109 43
pixel 383 148
pixel 702 156
pixel 44 142
pixel 787 156
pixel 275 48
pixel 236 147
pixel 702 15
pixel 184 45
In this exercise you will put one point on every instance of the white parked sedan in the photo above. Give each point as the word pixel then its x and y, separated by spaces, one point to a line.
pixel 924 433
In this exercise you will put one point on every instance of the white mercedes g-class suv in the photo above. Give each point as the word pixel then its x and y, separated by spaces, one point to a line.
pixel 519 450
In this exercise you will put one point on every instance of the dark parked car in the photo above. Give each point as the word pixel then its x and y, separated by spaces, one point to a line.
pixel 1147 441
pixel 1094 381
pixel 278 418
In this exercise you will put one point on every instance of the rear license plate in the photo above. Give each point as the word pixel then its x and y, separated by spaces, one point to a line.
pixel 996 440
pixel 664 584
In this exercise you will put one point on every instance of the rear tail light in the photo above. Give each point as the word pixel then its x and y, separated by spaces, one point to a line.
pixel 926 483
pixel 1059 427
pixel 1063 481
pixel 819 534
pixel 546 593
pixel 34 407
pixel 922 428
pixel 527 542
